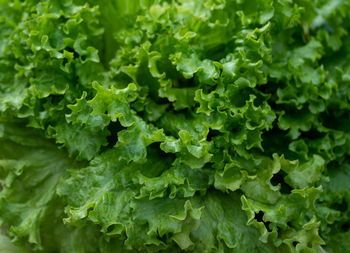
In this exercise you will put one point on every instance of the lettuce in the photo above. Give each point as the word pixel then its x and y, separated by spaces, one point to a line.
pixel 171 126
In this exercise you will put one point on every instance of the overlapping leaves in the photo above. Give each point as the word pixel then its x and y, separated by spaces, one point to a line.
pixel 204 126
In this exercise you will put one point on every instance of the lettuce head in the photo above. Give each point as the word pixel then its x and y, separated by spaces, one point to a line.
pixel 174 126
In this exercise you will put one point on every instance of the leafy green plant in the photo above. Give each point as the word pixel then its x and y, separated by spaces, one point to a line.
pixel 171 126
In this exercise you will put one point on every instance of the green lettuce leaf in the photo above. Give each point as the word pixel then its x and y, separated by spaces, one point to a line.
pixel 172 126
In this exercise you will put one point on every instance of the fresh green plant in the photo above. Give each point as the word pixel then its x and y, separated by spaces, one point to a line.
pixel 172 126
